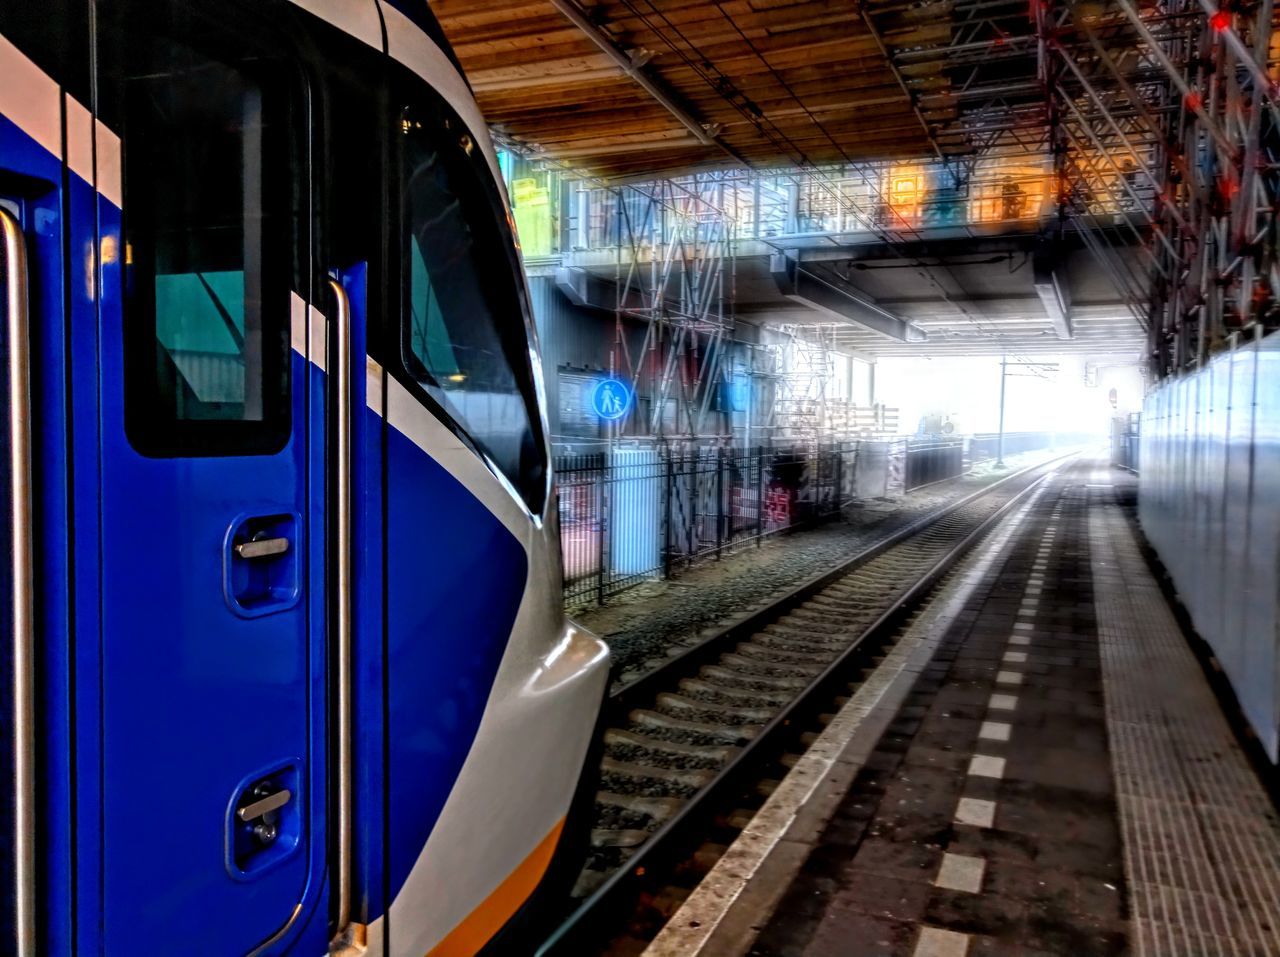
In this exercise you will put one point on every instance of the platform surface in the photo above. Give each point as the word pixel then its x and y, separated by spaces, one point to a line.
pixel 1059 778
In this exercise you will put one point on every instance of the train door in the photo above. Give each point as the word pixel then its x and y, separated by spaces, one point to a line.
pixel 31 430
pixel 213 583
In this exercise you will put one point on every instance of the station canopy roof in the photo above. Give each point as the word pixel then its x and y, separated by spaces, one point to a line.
pixel 629 88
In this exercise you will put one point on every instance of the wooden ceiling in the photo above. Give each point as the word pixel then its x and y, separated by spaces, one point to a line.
pixel 771 82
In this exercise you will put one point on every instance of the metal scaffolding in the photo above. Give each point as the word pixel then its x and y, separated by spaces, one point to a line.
pixel 1145 131
pixel 673 271
pixel 1155 123
pixel 799 413
pixel 1160 119
pixel 1163 124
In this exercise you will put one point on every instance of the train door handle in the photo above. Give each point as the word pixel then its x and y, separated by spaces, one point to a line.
pixel 261 559
pixel 262 547
pixel 264 804
pixel 262 812
pixel 264 822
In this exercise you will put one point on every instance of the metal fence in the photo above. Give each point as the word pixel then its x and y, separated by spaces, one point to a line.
pixel 639 513
pixel 986 445
pixel 931 460
pixel 642 512
pixel 1125 438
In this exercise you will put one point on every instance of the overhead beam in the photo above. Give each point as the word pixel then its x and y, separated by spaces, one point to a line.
pixel 923 247
pixel 634 68
pixel 843 302
pixel 1055 295
pixel 583 289
pixel 897 75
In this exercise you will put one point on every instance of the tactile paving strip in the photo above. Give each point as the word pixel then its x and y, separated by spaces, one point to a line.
pixel 1201 838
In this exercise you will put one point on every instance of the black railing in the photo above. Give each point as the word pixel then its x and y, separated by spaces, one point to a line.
pixel 930 460
pixel 1126 433
pixel 641 513
pixel 989 446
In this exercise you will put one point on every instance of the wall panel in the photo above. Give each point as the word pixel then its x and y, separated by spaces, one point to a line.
pixel 1209 502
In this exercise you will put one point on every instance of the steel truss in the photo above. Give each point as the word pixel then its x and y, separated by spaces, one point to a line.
pixel 1163 121
pixel 672 244
pixel 804 360
pixel 674 272
pixel 1159 127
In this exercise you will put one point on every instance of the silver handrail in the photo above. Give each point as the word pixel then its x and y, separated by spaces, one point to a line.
pixel 22 548
pixel 340 377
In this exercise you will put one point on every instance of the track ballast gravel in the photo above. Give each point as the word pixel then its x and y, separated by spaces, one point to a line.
pixel 649 623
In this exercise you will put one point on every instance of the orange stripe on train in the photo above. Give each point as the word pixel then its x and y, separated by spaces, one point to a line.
pixel 496 909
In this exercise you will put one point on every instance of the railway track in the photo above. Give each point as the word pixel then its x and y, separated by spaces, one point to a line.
pixel 691 748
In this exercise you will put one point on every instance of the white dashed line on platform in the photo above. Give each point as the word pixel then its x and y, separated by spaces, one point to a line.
pixel 960 872
pixel 975 812
pixel 994 731
pixel 935 942
pixel 986 766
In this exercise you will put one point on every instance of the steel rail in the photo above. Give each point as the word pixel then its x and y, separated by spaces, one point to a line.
pixel 582 928
pixel 690 660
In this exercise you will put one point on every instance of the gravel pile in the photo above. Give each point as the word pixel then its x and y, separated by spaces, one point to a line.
pixel 647 624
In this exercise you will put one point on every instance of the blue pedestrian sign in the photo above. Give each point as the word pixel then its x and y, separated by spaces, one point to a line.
pixel 610 399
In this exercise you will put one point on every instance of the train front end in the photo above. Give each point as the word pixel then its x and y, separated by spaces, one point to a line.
pixel 289 665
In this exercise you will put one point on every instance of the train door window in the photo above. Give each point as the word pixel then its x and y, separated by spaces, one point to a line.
pixel 465 339
pixel 208 229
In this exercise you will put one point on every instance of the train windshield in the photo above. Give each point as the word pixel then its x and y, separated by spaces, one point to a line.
pixel 466 341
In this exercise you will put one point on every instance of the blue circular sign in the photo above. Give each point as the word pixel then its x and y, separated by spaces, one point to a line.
pixel 610 399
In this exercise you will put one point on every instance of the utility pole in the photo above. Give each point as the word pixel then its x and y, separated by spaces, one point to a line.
pixel 1000 440
pixel 1038 369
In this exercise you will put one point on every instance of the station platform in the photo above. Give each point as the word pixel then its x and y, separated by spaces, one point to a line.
pixel 1039 766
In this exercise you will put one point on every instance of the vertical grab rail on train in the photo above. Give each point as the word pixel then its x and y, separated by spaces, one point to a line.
pixel 341 379
pixel 23 611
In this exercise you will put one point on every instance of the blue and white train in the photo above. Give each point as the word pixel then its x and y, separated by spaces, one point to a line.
pixel 285 661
